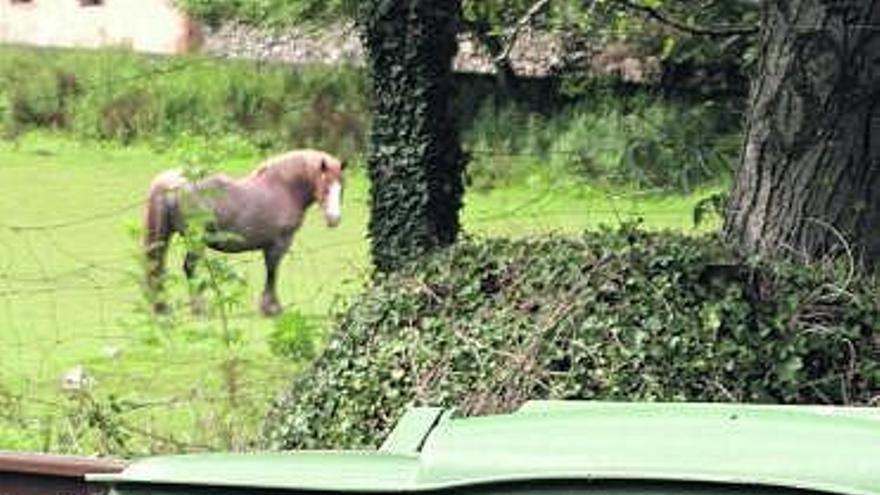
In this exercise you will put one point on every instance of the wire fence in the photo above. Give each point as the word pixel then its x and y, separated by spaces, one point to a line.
pixel 83 355
pixel 87 368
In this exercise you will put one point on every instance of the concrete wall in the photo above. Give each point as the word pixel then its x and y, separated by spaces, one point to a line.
pixel 143 25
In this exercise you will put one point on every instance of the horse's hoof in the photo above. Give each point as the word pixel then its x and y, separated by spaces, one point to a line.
pixel 269 307
pixel 161 308
pixel 198 307
pixel 273 310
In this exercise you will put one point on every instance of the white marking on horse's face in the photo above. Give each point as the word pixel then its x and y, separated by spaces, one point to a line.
pixel 333 204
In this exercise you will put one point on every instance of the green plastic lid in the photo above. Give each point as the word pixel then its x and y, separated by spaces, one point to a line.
pixel 830 449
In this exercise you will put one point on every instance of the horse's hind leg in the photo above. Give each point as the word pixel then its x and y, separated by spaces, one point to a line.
pixel 155 251
pixel 157 233
pixel 196 287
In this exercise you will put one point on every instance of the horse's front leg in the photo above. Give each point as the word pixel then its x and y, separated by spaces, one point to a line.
pixel 272 255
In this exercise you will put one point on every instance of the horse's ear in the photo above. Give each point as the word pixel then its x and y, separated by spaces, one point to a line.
pixel 342 164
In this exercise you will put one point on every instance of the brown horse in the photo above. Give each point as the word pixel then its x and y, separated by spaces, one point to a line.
pixel 260 211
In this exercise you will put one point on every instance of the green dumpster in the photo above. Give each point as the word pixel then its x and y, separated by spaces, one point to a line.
pixel 556 448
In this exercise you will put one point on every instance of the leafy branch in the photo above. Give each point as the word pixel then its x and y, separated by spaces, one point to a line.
pixel 524 21
pixel 665 18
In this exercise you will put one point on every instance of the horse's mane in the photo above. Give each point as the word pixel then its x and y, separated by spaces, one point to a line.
pixel 292 159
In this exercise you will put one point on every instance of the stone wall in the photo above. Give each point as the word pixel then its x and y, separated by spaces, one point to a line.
pixel 334 45
pixel 535 54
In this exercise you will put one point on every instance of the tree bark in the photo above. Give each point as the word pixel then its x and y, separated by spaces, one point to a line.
pixel 809 178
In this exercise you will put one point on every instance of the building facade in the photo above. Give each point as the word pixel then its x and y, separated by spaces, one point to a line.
pixel 142 25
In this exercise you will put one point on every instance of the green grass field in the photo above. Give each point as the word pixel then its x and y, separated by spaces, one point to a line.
pixel 70 298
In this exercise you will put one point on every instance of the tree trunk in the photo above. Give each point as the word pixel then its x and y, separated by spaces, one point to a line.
pixel 810 171
pixel 415 160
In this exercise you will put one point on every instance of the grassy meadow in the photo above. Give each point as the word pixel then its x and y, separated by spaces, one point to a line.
pixel 71 303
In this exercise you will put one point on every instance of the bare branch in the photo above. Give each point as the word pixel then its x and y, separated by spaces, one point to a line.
pixel 664 18
pixel 520 25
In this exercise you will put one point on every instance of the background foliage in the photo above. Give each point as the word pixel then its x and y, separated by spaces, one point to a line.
pixel 607 132
pixel 496 24
pixel 122 96
pixel 269 13
pixel 642 139
pixel 618 314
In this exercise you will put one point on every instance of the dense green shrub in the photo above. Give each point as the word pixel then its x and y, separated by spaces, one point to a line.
pixel 37 95
pixel 620 315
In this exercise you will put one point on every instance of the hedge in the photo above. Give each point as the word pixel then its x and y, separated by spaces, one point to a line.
pixel 615 315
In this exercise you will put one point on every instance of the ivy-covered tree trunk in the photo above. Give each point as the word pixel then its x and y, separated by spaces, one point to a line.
pixel 415 160
pixel 810 171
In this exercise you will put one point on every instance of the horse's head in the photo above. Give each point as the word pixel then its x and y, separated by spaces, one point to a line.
pixel 328 189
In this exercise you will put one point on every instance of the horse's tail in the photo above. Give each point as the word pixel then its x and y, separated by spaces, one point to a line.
pixel 158 228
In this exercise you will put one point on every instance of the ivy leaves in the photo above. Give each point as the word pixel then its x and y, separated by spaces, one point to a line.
pixel 617 315
pixel 415 160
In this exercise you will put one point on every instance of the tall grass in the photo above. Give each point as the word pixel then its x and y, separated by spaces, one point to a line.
pixel 637 138
pixel 123 96
pixel 647 142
